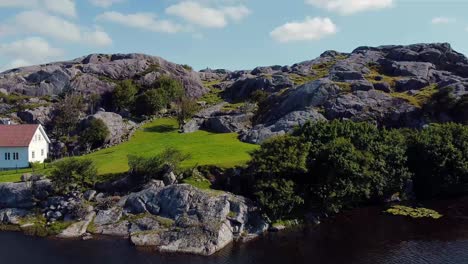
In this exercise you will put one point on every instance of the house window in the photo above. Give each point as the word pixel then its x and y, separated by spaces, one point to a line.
pixel 42 152
pixel 39 137
pixel 15 156
pixel 33 155
pixel 7 156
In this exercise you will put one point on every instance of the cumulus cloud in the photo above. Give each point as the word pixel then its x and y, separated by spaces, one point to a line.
pixel 145 21
pixel 105 3
pixel 62 7
pixel 308 30
pixel 443 20
pixel 206 16
pixel 347 7
pixel 28 51
pixel 38 22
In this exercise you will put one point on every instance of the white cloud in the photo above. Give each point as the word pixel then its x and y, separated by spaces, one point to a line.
pixel 205 16
pixel 236 13
pixel 443 20
pixel 97 38
pixel 308 30
pixel 62 7
pixel 38 22
pixel 105 3
pixel 18 3
pixel 347 7
pixel 146 21
pixel 28 51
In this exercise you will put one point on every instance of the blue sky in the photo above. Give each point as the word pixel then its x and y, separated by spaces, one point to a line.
pixel 231 34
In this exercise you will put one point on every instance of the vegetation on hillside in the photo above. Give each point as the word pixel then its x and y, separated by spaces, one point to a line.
pixel 334 165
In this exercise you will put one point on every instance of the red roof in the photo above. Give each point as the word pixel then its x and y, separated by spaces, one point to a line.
pixel 16 135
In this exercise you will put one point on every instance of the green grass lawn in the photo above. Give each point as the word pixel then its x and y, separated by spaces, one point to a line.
pixel 15 175
pixel 205 148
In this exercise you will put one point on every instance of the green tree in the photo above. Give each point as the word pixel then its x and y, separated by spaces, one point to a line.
pixel 95 133
pixel 277 197
pixel 283 156
pixel 171 88
pixel 123 96
pixel 73 174
pixel 150 102
pixel 67 114
pixel 438 156
pixel 186 108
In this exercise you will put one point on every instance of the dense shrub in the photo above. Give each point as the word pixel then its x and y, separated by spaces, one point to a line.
pixel 123 96
pixel 67 113
pixel 150 102
pixel 143 169
pixel 335 164
pixel 438 156
pixel 95 134
pixel 277 197
pixel 73 174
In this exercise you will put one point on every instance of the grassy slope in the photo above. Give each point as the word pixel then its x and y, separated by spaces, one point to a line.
pixel 205 148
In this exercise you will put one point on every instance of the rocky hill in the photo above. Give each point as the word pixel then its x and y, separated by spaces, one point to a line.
pixel 393 86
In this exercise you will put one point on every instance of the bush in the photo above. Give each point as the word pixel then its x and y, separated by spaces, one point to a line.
pixel 73 174
pixel 438 156
pixel 186 108
pixel 277 197
pixel 123 96
pixel 142 169
pixel 151 102
pixel 334 165
pixel 95 134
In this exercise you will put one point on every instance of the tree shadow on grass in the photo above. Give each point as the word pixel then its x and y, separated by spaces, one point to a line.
pixel 161 129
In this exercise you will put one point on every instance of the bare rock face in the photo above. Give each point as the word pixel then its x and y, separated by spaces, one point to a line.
pixel 96 73
pixel 24 194
pixel 181 218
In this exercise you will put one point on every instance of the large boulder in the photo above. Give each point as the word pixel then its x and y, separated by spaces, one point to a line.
pixel 119 129
pixel 40 115
pixel 24 194
pixel 197 221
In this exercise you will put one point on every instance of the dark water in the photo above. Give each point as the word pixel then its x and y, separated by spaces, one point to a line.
pixel 359 236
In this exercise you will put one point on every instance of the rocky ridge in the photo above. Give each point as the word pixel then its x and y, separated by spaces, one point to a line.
pixel 173 218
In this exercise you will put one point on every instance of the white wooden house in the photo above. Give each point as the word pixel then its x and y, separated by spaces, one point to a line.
pixel 22 144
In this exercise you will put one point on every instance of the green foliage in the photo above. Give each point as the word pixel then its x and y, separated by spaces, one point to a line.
pixel 336 164
pixel 150 102
pixel 150 69
pixel 259 96
pixel 187 67
pixel 438 156
pixel 213 96
pixel 413 212
pixel 186 108
pixel 123 96
pixel 280 156
pixel 164 91
pixel 73 174
pixel 277 197
pixel 144 169
pixel 95 134
pixel 67 114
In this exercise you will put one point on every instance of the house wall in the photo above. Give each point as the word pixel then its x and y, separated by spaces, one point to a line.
pixel 39 146
pixel 22 162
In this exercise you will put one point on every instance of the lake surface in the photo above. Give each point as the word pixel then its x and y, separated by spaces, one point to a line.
pixel 359 236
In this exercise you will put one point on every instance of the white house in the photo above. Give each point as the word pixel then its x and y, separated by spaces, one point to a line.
pixel 22 144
